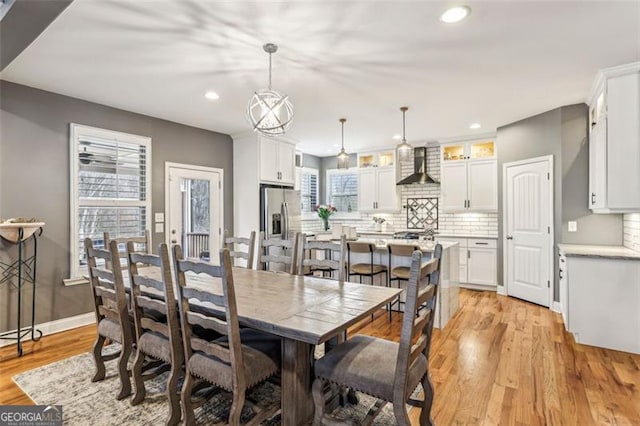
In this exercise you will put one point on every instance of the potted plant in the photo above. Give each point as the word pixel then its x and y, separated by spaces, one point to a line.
pixel 324 212
pixel 379 221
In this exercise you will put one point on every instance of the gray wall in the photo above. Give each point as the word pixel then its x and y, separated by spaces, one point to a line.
pixel 563 133
pixel 34 180
pixel 603 229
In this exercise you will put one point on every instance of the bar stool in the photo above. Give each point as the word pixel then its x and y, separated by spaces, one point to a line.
pixel 400 273
pixel 365 269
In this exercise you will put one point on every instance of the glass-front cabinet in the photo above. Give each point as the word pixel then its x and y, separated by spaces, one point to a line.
pixel 377 159
pixel 476 150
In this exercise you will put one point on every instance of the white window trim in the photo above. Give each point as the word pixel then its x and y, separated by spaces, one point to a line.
pixel 327 195
pixel 316 172
pixel 75 132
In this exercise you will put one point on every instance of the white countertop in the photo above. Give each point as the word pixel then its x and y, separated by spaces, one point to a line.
pixel 611 252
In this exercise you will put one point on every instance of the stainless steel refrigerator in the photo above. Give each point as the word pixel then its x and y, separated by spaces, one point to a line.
pixel 280 211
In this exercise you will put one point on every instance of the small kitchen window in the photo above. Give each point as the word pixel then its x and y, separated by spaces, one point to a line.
pixel 342 190
pixel 110 189
pixel 308 185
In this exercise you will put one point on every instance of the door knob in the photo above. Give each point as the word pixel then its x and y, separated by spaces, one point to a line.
pixel 509 237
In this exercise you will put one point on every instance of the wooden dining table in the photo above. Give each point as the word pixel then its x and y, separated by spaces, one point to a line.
pixel 305 311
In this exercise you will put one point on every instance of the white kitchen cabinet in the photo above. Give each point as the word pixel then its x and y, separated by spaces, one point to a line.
pixel 258 160
pixel 614 141
pixel 478 262
pixel 469 177
pixel 453 186
pixel 482 266
pixel 277 161
pixel 602 298
pixel 377 190
pixel 564 289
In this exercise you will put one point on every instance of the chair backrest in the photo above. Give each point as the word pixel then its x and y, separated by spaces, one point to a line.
pixel 151 295
pixel 230 352
pixel 143 240
pixel 402 250
pixel 107 286
pixel 357 247
pixel 416 323
pixel 231 243
pixel 335 254
pixel 287 253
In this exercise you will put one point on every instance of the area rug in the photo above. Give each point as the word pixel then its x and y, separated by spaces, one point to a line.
pixel 68 383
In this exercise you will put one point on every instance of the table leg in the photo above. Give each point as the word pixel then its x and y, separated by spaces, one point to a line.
pixel 297 402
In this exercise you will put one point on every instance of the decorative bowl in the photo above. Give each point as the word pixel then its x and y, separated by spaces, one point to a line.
pixel 10 231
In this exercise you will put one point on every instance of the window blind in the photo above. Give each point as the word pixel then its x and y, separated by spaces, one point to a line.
pixel 308 190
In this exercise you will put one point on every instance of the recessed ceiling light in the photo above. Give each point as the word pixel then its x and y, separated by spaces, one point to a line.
pixel 397 137
pixel 211 95
pixel 475 126
pixel 455 14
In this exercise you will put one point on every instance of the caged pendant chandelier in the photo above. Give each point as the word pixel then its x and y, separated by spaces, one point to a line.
pixel 403 148
pixel 270 112
pixel 343 157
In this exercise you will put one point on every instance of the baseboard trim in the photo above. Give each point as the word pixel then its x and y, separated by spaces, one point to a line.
pixel 478 287
pixel 57 326
pixel 556 307
pixel 501 290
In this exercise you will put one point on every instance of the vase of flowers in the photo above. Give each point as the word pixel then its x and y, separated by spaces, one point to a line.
pixel 324 212
pixel 378 223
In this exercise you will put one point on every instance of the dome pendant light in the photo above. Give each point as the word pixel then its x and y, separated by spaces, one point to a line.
pixel 403 148
pixel 343 157
pixel 270 112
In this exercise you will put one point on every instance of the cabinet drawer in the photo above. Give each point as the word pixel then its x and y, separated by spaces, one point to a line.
pixel 483 243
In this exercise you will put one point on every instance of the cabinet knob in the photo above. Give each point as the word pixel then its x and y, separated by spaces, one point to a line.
pixel 593 198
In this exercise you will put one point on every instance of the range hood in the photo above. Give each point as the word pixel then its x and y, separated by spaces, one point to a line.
pixel 420 175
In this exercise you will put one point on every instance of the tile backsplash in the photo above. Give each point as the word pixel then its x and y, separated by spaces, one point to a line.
pixel 631 229
pixel 483 224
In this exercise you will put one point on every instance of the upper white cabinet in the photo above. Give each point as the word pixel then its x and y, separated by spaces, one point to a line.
pixel 469 177
pixel 277 161
pixel 377 190
pixel 614 141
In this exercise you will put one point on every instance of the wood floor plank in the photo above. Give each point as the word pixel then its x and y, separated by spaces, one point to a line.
pixel 499 361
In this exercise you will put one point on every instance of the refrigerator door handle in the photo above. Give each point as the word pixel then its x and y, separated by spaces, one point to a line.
pixel 284 211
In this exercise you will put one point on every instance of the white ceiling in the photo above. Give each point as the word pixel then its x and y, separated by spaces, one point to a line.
pixel 356 59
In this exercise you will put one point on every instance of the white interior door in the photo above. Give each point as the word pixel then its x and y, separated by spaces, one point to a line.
pixel 194 210
pixel 528 244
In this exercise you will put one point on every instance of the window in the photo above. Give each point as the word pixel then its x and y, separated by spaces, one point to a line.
pixel 110 188
pixel 342 190
pixel 308 179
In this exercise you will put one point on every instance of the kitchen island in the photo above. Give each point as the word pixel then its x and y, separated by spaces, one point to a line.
pixel 448 291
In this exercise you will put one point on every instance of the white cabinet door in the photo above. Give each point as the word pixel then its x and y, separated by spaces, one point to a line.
pixel 482 185
pixel 367 190
pixel 387 198
pixel 269 160
pixel 623 142
pixel 482 266
pixel 287 163
pixel 598 166
pixel 454 186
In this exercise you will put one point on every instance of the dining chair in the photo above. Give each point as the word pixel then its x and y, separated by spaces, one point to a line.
pixel 236 362
pixel 141 243
pixel 399 273
pixel 112 313
pixel 279 251
pixel 157 327
pixel 334 257
pixel 399 367
pixel 231 243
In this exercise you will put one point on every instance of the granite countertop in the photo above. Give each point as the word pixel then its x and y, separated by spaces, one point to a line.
pixel 609 252
pixel 451 234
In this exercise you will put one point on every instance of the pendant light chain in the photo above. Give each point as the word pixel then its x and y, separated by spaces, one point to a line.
pixel 269 70
pixel 404 114
pixel 342 133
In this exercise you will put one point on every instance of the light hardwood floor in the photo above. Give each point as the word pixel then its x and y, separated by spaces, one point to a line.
pixel 499 361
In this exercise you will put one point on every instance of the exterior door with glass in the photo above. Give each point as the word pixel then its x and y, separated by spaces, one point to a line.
pixel 195 210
